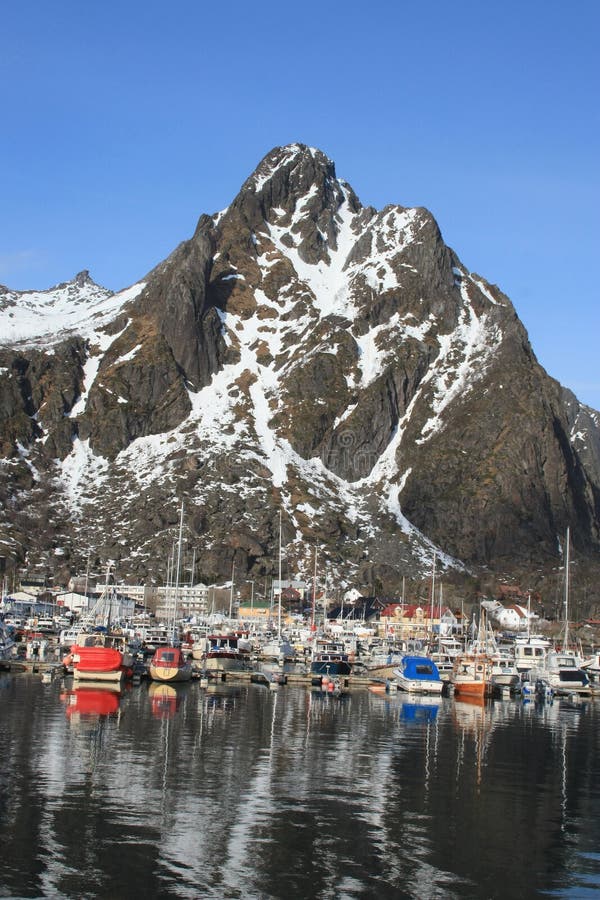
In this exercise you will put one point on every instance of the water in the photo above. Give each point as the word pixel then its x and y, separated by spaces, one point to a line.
pixel 238 791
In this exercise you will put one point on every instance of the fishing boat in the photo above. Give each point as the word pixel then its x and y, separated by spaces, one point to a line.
pixel 329 658
pixel 169 664
pixel 444 663
pixel 381 663
pixel 472 675
pixel 418 675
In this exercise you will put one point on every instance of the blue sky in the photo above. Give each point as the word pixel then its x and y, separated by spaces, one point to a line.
pixel 123 122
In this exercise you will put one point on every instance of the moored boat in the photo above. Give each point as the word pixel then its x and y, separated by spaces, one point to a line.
pixel 97 663
pixel 227 653
pixel 329 658
pixel 418 675
pixel 564 673
pixel 504 673
pixel 170 665
pixel 472 674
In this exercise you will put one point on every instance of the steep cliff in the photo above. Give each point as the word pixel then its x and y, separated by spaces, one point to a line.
pixel 300 352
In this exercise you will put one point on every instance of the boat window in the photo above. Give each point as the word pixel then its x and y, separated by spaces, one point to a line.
pixel 424 670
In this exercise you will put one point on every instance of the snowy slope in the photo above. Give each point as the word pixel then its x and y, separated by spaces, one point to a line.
pixel 354 341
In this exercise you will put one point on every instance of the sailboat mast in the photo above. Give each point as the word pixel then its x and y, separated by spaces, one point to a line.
pixel 567 563
pixel 193 569
pixel 432 593
pixel 280 590
pixel 440 622
pixel 314 596
pixel 178 569
pixel 231 591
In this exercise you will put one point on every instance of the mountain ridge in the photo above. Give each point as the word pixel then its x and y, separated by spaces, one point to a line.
pixel 303 352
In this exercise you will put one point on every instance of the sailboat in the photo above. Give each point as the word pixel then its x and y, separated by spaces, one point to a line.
pixel 278 648
pixel 472 675
pixel 562 669
pixel 169 663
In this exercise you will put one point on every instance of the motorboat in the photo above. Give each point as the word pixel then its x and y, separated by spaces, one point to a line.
pixel 329 658
pixel 98 663
pixel 418 674
pixel 563 672
pixel 226 653
pixel 169 664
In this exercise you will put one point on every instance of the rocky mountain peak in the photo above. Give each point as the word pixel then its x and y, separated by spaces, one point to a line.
pixel 295 189
pixel 83 278
pixel 300 353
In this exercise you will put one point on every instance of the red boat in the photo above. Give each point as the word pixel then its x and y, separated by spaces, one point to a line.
pixel 96 663
pixel 169 664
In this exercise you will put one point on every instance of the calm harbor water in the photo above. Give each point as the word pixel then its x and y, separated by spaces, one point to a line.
pixel 238 791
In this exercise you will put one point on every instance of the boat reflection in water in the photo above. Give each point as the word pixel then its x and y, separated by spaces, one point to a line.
pixel 165 700
pixel 91 701
pixel 425 709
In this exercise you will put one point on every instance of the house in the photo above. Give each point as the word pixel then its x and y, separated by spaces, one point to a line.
pixel 409 620
pixel 257 611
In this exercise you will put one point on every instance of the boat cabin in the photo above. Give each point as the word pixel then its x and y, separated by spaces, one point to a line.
pixel 169 657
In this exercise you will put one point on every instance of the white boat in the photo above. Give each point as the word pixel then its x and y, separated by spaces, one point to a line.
pixel 504 672
pixel 530 652
pixel 444 663
pixel 418 674
pixel 277 648
pixel 224 654
pixel 564 673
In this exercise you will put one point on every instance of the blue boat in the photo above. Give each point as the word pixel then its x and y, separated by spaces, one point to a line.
pixel 418 675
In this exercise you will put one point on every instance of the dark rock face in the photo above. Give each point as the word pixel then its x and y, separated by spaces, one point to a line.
pixel 305 353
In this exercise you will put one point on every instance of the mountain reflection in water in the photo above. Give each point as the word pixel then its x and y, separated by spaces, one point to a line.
pixel 246 792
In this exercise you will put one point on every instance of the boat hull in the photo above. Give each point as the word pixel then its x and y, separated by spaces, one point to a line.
pixel 170 674
pixel 416 686
pixel 330 667
pixel 226 662
pixel 96 663
pixel 115 677
pixel 470 688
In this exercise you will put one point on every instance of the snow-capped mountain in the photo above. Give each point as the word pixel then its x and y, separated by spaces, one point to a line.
pixel 300 352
